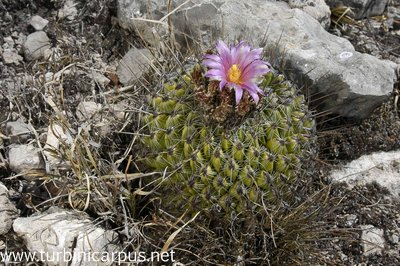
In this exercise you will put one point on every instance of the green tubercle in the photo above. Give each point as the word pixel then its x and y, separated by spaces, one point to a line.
pixel 222 156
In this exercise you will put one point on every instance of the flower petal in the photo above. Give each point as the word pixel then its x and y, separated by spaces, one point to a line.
pixel 238 94
pixel 222 84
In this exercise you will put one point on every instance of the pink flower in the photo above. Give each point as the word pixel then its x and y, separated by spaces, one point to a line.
pixel 237 67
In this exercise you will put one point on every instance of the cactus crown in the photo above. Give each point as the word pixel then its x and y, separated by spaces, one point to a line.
pixel 221 154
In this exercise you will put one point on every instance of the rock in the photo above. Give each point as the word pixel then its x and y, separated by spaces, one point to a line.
pixel 351 220
pixel 36 45
pixel 372 240
pixel 8 212
pixel 38 23
pixel 24 158
pixel 133 65
pixel 394 238
pixel 380 167
pixel 87 110
pixel 352 84
pixel 56 136
pixel 68 233
pixel 100 79
pixel 11 56
pixel 362 8
pixel 18 132
pixel 68 11
pixel 131 14
pixel 8 42
pixel 315 8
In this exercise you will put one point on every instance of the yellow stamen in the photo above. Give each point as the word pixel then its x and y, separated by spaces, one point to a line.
pixel 234 74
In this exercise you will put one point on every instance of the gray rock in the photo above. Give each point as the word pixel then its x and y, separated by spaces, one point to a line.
pixel 67 233
pixel 315 8
pixel 351 220
pixel 394 238
pixel 56 137
pixel 68 11
pixel 133 65
pixel 380 167
pixel 18 132
pixel 24 158
pixel 8 42
pixel 11 56
pixel 362 8
pixel 100 79
pixel 372 240
pixel 8 212
pixel 36 45
pixel 352 84
pixel 38 23
pixel 136 16
pixel 87 110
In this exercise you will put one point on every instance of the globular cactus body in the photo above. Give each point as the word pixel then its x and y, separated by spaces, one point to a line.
pixel 225 156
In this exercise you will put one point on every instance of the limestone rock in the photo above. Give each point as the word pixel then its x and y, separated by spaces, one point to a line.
pixel 87 110
pixel 352 84
pixel 18 132
pixel 36 45
pixel 38 23
pixel 8 212
pixel 133 65
pixel 11 56
pixel 56 137
pixel 24 158
pixel 381 167
pixel 68 233
pixel 128 11
pixel 362 8
pixel 372 240
pixel 68 11
pixel 315 8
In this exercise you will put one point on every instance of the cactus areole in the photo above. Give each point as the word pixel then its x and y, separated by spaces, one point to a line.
pixel 230 134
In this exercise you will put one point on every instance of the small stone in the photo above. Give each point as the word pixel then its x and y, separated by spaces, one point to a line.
pixel 100 79
pixel 8 42
pixel 8 212
pixel 10 56
pixel 351 220
pixel 18 132
pixel 394 238
pixel 377 167
pixel 7 17
pixel 24 158
pixel 372 240
pixel 134 65
pixel 58 231
pixel 68 11
pixel 56 136
pixel 38 23
pixel 35 45
pixel 87 110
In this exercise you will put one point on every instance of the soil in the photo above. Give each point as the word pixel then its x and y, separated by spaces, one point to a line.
pixel 94 38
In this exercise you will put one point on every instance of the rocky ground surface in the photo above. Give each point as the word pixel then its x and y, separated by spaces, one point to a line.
pixel 65 70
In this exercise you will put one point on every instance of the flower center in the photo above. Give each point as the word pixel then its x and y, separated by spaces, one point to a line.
pixel 234 74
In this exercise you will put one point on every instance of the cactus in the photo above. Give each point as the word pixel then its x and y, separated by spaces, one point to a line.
pixel 223 155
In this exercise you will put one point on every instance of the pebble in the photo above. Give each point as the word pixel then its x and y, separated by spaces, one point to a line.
pixel 18 132
pixel 36 45
pixel 38 23
pixel 24 158
pixel 133 65
pixel 68 11
pixel 372 240
pixel 10 56
pixel 8 212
